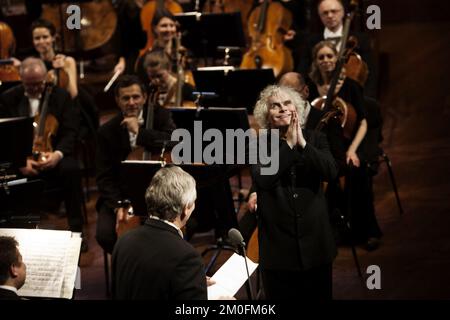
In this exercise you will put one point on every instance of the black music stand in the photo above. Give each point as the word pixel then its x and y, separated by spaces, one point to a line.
pixel 204 33
pixel 20 200
pixel 235 88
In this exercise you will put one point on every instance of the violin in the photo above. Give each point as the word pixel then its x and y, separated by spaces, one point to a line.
pixel 47 126
pixel 8 72
pixel 266 26
pixel 148 11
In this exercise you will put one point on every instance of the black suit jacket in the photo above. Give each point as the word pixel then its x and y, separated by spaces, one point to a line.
pixel 294 228
pixel 154 262
pixel 8 295
pixel 113 146
pixel 14 103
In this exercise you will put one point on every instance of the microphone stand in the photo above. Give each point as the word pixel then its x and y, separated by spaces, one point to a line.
pixel 250 292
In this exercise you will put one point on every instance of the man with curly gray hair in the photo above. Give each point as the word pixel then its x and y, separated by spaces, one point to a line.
pixel 296 244
pixel 154 261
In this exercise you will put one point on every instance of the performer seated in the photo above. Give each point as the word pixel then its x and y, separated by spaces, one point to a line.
pixel 116 140
pixel 13 270
pixel 56 166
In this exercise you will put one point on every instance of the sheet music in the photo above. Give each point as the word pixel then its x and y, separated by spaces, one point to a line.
pixel 51 257
pixel 230 277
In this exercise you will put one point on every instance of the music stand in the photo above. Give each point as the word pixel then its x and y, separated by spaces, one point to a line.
pixel 235 88
pixel 16 138
pixel 203 33
pixel 19 201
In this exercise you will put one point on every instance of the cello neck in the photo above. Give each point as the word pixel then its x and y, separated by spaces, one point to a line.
pixel 262 16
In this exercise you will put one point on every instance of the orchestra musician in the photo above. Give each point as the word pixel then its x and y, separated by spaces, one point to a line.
pixel 116 140
pixel 331 13
pixel 63 71
pixel 43 35
pixel 59 168
pixel 296 244
pixel 163 82
pixel 363 221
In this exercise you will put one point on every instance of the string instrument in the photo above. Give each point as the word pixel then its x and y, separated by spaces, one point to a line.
pixel 8 72
pixel 355 68
pixel 334 106
pixel 58 77
pixel 98 24
pixel 47 126
pixel 266 25
pixel 224 6
pixel 148 11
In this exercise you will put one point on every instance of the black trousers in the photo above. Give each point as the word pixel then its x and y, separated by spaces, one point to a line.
pixel 312 284
pixel 106 228
pixel 66 177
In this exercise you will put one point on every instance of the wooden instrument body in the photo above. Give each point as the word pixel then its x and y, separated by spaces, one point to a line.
pixel 8 72
pixel 98 24
pixel 266 26
pixel 343 111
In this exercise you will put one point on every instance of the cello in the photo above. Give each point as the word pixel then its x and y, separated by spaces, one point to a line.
pixel 334 106
pixel 8 72
pixel 266 25
pixel 148 11
pixel 47 126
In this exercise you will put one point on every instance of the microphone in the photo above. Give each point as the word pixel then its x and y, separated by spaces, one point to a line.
pixel 236 239
pixel 204 94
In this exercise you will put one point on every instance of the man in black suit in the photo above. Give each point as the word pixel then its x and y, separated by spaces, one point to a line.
pixel 57 167
pixel 116 140
pixel 12 269
pixel 154 262
pixel 331 13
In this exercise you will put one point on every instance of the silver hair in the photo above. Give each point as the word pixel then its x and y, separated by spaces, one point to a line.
pixel 30 63
pixel 261 110
pixel 171 190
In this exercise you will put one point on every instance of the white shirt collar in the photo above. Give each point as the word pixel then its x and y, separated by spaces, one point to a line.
pixel 169 223
pixel 10 288
pixel 327 33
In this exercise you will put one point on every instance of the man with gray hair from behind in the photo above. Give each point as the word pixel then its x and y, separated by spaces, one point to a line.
pixel 154 261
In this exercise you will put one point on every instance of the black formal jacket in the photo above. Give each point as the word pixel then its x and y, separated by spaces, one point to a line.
pixel 113 146
pixel 294 228
pixel 154 262
pixel 14 103
pixel 8 295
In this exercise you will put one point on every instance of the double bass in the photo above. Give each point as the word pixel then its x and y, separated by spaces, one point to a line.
pixel 266 26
